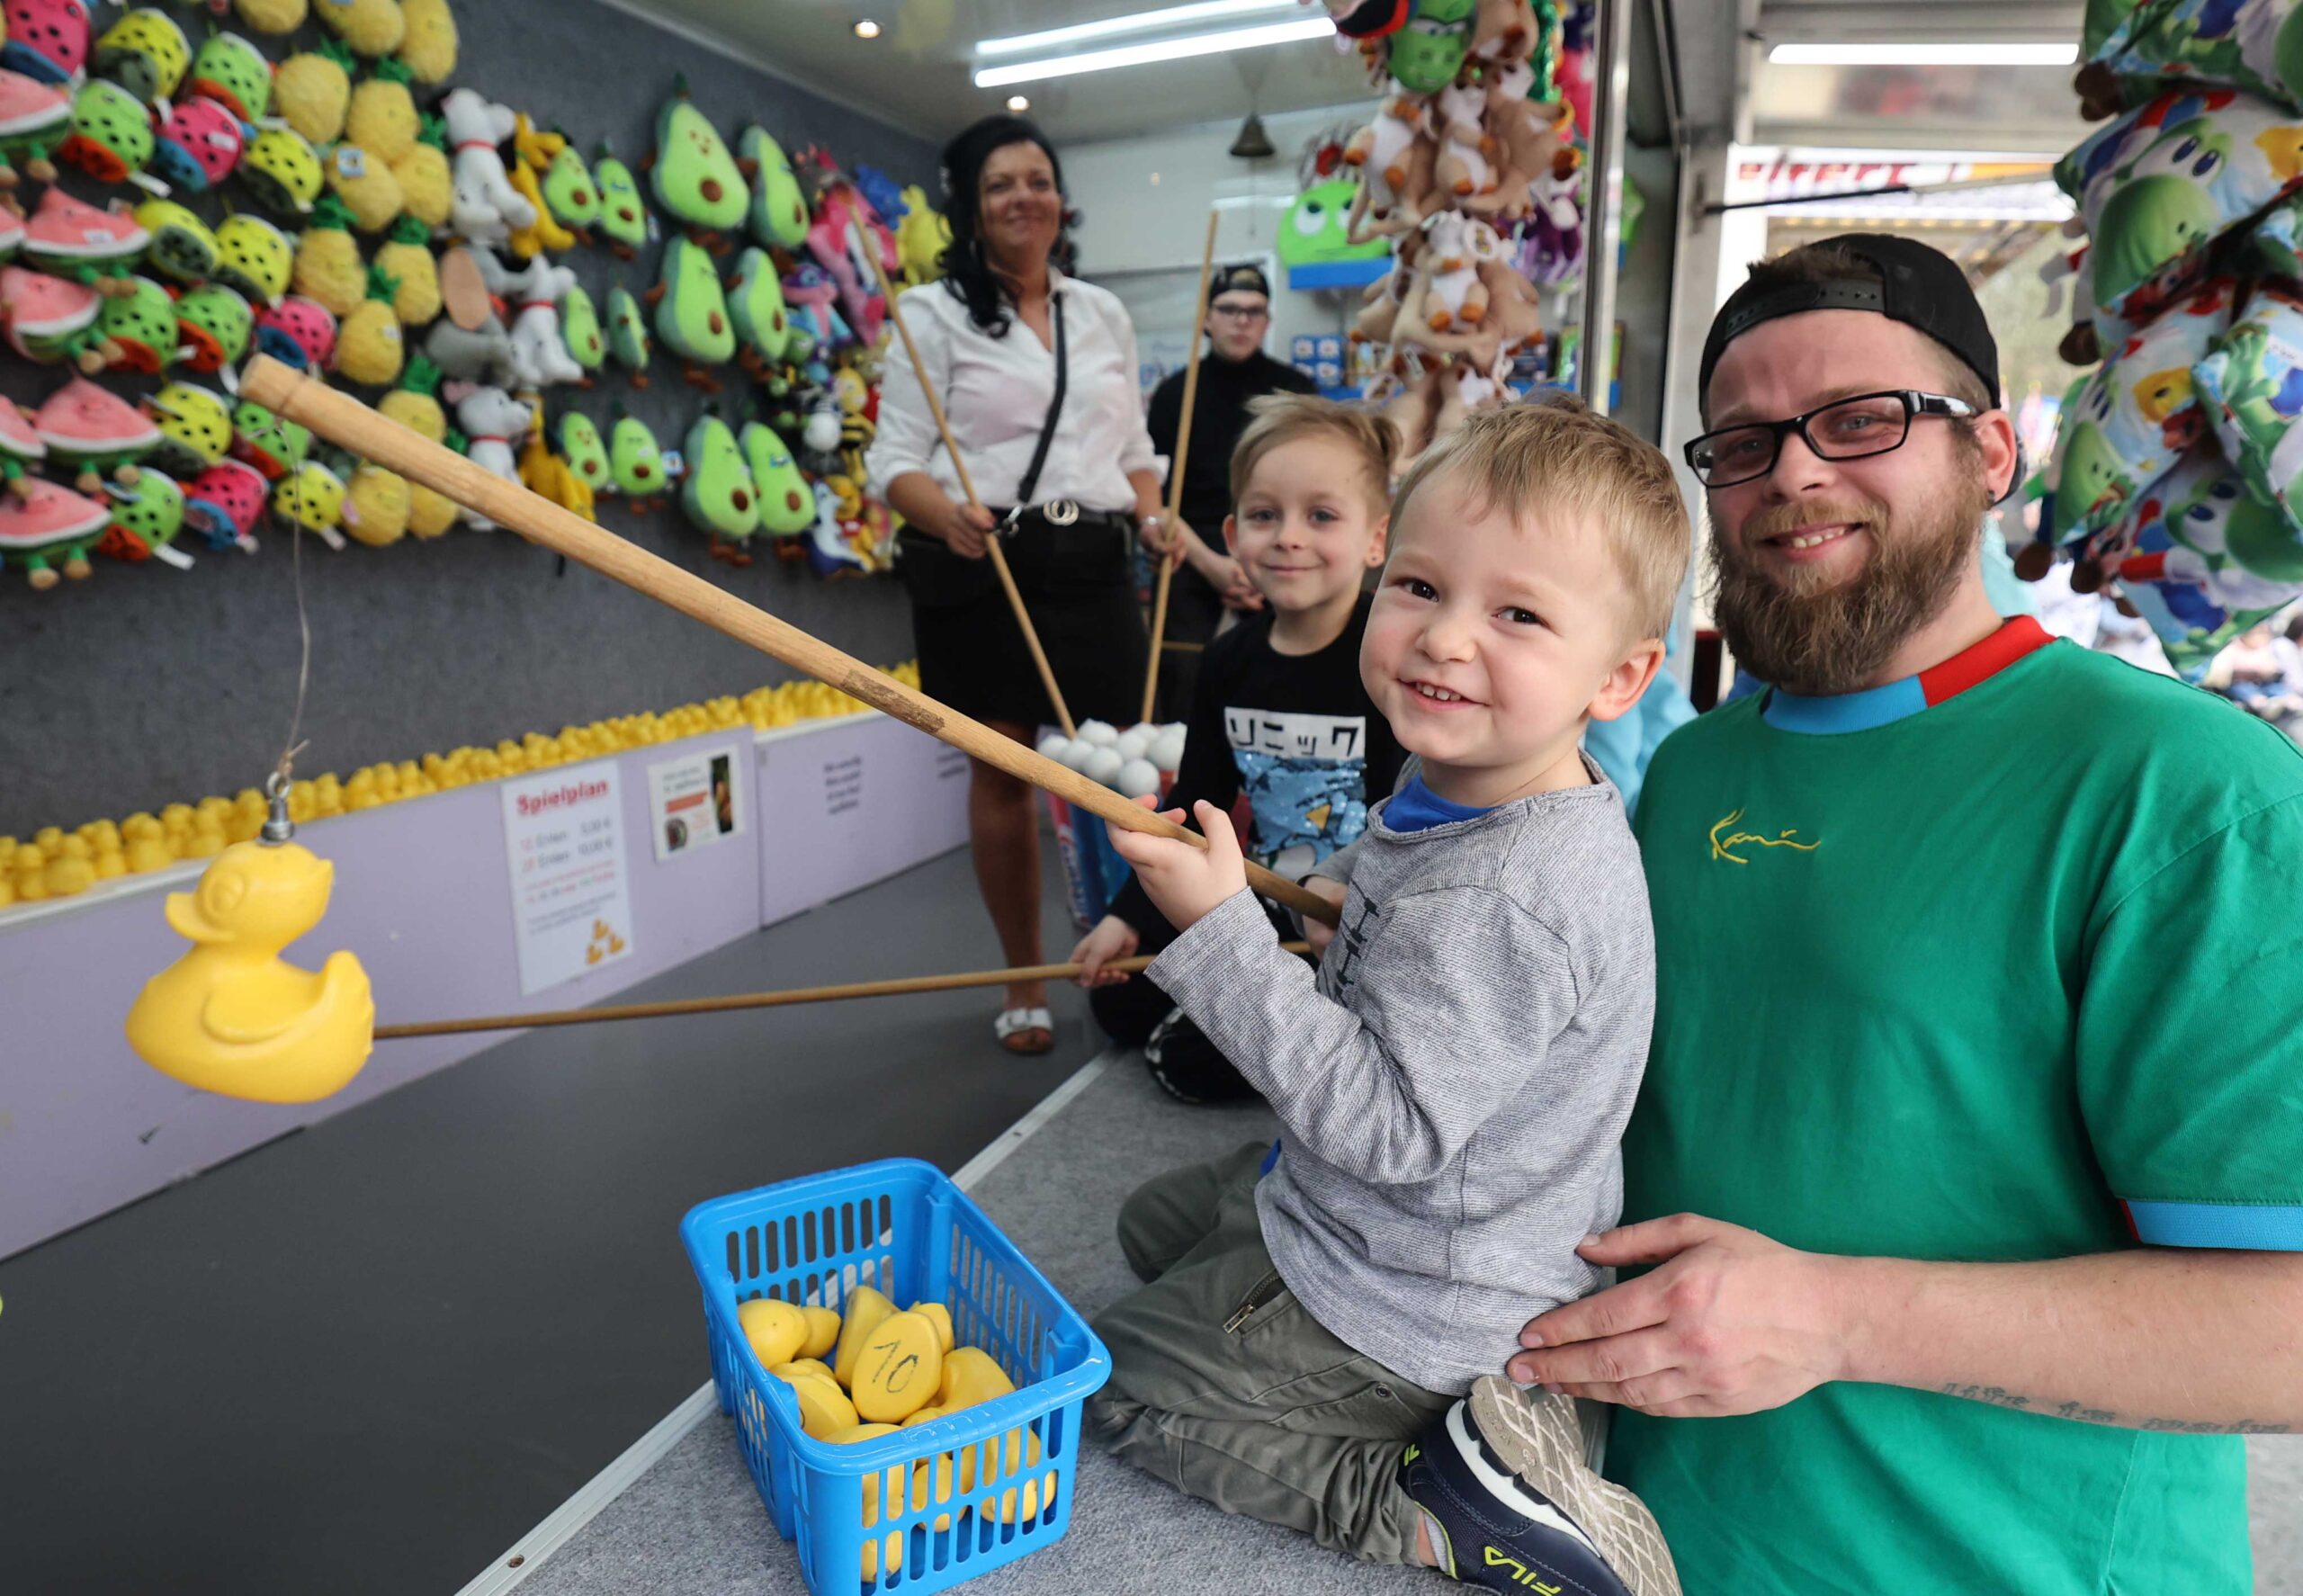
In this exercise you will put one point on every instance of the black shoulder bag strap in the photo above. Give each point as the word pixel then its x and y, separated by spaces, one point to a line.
pixel 1054 408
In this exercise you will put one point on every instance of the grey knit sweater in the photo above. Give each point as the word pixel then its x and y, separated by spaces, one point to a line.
pixel 1453 1082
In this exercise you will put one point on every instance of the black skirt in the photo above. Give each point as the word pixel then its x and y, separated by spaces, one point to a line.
pixel 1079 588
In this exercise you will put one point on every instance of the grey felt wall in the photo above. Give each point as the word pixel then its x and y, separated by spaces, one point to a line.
pixel 143 686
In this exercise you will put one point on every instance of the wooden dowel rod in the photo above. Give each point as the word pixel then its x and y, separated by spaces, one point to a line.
pixel 900 987
pixel 1176 479
pixel 344 420
pixel 997 555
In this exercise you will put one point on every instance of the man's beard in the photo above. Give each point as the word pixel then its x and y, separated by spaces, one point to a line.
pixel 1798 629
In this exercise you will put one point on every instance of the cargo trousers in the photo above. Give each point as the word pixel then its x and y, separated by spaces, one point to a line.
pixel 1225 1387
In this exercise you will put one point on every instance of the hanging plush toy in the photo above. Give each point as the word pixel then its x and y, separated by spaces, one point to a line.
pixel 811 299
pixel 271 443
pixel 255 257
pixel 548 476
pixel 369 28
pixel 43 526
pixel 694 178
pixel 2178 560
pixel 787 507
pixel 143 324
pixel 181 247
pixel 73 239
pixel 623 216
pixel 366 185
pixel 195 429
pixel 921 239
pixel 312 92
pixel 586 451
pixel 215 327
pixel 490 418
pixel 49 319
pixel 692 311
pixel 224 504
pixel 427 183
pixel 540 359
pixel 311 496
pixel 406 259
pixel 328 267
pixel 199 144
pixel 144 52
pixel 282 173
pixel 413 405
pixel 481 355
pixel 47 40
pixel 272 17
pixel 2255 45
pixel 756 305
pixel 145 520
pixel 233 73
pixel 21 450
pixel 580 334
pixel 628 333
pixel 94 432
pixel 486 208
pixel 844 230
pixel 779 210
pixel 110 137
pixel 569 195
pixel 35 118
pixel 718 493
pixel 430 47
pixel 369 348
pixel 377 504
pixel 635 462
pixel 2250 382
pixel 382 119
pixel 534 152
pixel 297 332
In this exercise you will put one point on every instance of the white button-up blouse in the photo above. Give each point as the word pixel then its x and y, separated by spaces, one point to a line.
pixel 995 393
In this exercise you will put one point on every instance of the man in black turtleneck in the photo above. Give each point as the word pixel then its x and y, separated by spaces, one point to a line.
pixel 1234 371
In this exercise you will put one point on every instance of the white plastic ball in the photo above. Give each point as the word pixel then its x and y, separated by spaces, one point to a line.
pixel 1102 734
pixel 1168 751
pixel 1073 754
pixel 1135 739
pixel 1138 779
pixel 1103 765
pixel 1052 746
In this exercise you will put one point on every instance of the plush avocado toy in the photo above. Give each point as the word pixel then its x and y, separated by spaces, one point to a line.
pixel 787 504
pixel 628 333
pixel 756 305
pixel 718 493
pixel 636 461
pixel 691 309
pixel 779 210
pixel 586 450
pixel 623 216
pixel 694 178
pixel 579 330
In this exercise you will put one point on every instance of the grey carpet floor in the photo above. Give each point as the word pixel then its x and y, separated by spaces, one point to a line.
pixel 693 1524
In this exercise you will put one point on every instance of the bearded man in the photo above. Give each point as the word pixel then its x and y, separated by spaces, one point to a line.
pixel 1968 1172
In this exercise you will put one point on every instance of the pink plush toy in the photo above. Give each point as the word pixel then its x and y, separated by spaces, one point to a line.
pixel 842 214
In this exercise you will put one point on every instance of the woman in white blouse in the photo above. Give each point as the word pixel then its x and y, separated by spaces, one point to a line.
pixel 1036 374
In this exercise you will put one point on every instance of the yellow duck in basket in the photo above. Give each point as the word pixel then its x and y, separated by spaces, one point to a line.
pixel 232 1017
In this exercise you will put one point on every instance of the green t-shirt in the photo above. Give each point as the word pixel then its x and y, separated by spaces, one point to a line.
pixel 2001 962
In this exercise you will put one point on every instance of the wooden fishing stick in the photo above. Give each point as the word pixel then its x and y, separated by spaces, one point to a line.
pixel 967 486
pixel 900 987
pixel 344 420
pixel 1176 480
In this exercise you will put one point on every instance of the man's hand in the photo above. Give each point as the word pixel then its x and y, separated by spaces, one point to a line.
pixel 1731 1323
pixel 1113 938
pixel 1185 882
pixel 1318 933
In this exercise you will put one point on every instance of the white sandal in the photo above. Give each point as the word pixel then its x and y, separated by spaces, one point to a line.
pixel 1015 1023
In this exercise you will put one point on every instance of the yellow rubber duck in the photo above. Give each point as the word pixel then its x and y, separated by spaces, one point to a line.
pixel 232 1017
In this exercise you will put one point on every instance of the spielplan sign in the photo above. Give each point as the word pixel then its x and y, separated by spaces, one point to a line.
pixel 572 903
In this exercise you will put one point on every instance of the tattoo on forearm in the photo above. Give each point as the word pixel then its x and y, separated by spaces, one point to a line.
pixel 2080 1412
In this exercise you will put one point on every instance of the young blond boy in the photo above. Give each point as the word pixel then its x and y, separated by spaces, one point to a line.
pixel 1452 1082
pixel 1279 713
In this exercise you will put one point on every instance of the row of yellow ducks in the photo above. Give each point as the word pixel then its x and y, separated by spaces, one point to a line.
pixel 58 864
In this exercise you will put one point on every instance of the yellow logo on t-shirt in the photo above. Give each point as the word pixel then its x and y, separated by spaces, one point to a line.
pixel 1724 847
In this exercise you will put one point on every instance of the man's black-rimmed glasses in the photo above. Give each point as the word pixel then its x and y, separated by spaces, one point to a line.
pixel 1844 429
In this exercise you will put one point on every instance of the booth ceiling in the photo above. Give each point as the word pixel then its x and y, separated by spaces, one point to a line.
pixel 919 71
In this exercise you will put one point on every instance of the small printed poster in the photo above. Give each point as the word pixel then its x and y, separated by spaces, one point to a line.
pixel 571 900
pixel 696 800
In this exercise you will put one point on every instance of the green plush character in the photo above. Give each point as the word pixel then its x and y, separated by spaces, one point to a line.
pixel 143 324
pixel 145 517
pixel 718 493
pixel 112 133
pixel 1426 55
pixel 691 311
pixel 586 452
pixel 570 192
pixel 628 333
pixel 213 326
pixel 233 73
pixel 694 178
pixel 787 504
pixel 756 304
pixel 580 329
pixel 1315 241
pixel 636 461
pixel 779 210
pixel 2156 216
pixel 623 216
pixel 268 441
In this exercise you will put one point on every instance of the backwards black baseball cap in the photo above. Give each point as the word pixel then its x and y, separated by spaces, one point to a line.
pixel 1237 279
pixel 1918 286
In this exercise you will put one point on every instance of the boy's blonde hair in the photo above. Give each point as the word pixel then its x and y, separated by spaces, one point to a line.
pixel 1561 458
pixel 1284 417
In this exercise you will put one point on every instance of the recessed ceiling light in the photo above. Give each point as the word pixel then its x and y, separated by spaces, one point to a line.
pixel 1019 102
pixel 1159 50
pixel 1155 180
pixel 866 28
pixel 1918 54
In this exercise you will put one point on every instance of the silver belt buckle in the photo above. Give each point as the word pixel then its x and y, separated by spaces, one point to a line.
pixel 1061 512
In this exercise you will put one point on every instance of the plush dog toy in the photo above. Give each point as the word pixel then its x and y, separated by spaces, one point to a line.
pixel 486 207
pixel 539 356
pixel 490 418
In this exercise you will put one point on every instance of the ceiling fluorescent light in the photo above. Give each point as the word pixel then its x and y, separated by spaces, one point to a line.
pixel 1918 54
pixel 1162 50
pixel 1141 21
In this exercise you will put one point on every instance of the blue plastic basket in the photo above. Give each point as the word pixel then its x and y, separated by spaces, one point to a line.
pixel 902 1228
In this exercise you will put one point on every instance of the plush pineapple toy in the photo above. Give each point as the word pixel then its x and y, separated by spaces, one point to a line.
pixel 369 28
pixel 427 182
pixel 366 185
pixel 274 17
pixel 328 267
pixel 414 405
pixel 376 505
pixel 369 348
pixel 430 47
pixel 383 118
pixel 406 259
pixel 311 91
